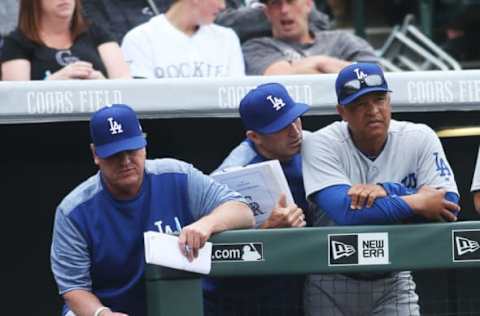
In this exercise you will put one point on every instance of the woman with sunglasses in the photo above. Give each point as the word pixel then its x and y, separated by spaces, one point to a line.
pixel 53 42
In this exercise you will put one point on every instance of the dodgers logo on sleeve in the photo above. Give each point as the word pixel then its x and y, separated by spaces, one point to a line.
pixel 410 181
pixel 442 167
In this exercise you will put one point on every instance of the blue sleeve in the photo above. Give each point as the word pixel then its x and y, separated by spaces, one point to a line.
pixel 70 259
pixel 452 197
pixel 335 202
pixel 393 188
pixel 399 189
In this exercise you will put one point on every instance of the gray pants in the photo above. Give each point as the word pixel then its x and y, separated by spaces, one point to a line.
pixel 339 295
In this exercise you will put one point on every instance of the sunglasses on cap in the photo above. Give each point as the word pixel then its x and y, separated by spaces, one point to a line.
pixel 353 86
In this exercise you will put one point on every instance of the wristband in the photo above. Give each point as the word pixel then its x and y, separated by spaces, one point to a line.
pixel 100 310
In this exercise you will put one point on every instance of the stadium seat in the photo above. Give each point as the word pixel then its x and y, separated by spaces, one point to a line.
pixel 407 48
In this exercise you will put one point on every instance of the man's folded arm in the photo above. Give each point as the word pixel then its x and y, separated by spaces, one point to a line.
pixel 334 201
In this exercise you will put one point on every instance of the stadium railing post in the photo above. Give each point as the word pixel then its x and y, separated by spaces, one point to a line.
pixel 173 293
pixel 359 18
pixel 426 17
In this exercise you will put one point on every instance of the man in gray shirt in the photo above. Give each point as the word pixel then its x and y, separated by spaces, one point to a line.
pixel 295 48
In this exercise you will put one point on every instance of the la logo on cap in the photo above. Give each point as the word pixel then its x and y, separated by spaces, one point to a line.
pixel 360 74
pixel 115 127
pixel 277 103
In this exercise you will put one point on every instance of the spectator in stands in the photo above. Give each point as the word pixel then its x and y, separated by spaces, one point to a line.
pixel 1 45
pixel 53 41
pixel 296 48
pixel 338 11
pixel 245 17
pixel 274 131
pixel 370 169
pixel 8 16
pixel 120 16
pixel 184 42
pixel 462 32
pixel 248 19
pixel 476 184
pixel 97 252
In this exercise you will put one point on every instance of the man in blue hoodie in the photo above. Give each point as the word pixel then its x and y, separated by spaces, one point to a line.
pixel 274 131
pixel 97 253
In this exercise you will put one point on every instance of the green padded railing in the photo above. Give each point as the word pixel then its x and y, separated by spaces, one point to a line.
pixel 311 250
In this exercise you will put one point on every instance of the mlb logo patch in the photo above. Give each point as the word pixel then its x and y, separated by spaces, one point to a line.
pixel 358 249
pixel 237 252
pixel 466 245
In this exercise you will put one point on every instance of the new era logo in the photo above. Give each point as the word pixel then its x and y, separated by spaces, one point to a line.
pixel 466 245
pixel 362 249
pixel 340 250
pixel 115 127
pixel 343 249
pixel 277 103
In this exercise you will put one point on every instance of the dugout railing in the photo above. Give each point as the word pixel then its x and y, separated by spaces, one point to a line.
pixel 318 250
pixel 75 100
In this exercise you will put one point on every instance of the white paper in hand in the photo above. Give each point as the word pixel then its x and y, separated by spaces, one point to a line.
pixel 260 183
pixel 162 249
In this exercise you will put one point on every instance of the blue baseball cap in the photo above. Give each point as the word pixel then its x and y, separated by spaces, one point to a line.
pixel 359 79
pixel 269 108
pixel 115 128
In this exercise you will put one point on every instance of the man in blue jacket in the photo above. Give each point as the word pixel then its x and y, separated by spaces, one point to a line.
pixel 274 131
pixel 97 253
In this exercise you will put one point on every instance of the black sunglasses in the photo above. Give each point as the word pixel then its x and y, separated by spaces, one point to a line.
pixel 353 86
